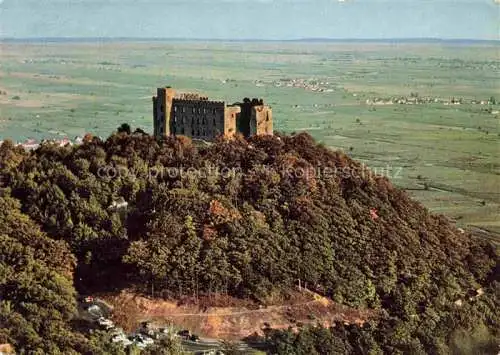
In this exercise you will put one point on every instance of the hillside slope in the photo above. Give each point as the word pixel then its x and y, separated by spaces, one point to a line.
pixel 253 219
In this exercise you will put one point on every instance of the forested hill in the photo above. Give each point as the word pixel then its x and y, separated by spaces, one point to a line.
pixel 250 218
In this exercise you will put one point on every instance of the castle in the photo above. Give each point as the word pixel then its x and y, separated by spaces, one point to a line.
pixel 195 116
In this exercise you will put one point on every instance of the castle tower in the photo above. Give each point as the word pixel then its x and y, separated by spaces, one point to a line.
pixel 162 108
pixel 261 121
pixel 231 114
pixel 255 118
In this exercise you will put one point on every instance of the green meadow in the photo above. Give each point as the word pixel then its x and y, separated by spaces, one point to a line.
pixel 446 155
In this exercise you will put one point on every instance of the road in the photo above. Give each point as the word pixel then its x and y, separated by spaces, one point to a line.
pixel 193 346
pixel 213 344
pixel 202 345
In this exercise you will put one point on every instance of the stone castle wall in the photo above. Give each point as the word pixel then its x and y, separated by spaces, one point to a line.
pixel 195 116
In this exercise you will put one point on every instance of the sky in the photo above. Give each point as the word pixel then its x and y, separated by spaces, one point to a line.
pixel 251 19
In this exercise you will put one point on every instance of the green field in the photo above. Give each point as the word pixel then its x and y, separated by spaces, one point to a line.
pixel 446 155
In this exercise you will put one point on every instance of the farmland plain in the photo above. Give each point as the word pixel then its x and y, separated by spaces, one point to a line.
pixel 359 97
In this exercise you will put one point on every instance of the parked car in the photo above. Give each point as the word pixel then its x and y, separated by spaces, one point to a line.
pixel 147 329
pixel 142 341
pixel 121 338
pixel 117 331
pixel 165 331
pixel 184 333
pixel 105 323
pixel 94 310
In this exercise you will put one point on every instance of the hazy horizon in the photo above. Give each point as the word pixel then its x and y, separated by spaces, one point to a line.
pixel 410 40
pixel 251 20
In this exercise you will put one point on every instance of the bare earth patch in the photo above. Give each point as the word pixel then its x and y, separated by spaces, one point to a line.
pixel 236 321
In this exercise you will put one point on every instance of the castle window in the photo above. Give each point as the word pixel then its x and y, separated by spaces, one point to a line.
pixel 183 109
pixel 204 110
pixel 175 108
pixel 215 122
pixel 194 110
pixel 267 116
pixel 215 111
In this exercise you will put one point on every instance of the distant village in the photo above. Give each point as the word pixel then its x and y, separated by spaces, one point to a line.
pixel 417 100
pixel 314 85
pixel 325 86
pixel 32 144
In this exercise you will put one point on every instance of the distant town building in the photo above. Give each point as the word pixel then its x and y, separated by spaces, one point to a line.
pixel 198 117
pixel 32 144
pixel 29 144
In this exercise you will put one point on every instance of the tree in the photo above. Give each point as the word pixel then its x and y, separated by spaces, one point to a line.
pixel 37 295
pixel 124 128
pixel 270 223
pixel 168 345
